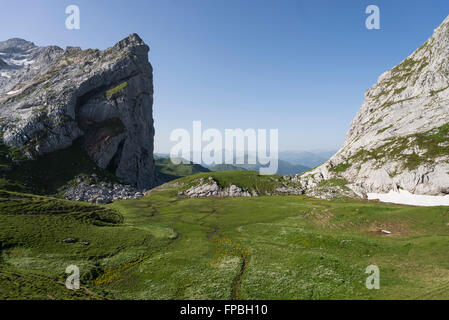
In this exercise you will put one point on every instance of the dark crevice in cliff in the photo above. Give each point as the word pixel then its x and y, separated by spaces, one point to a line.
pixel 113 164
pixel 97 134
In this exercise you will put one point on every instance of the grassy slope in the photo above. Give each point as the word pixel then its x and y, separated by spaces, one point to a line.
pixel 247 180
pixel 290 247
pixel 167 171
pixel 294 248
pixel 34 256
pixel 224 167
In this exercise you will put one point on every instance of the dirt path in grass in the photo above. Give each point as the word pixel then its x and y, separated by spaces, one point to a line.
pixel 238 280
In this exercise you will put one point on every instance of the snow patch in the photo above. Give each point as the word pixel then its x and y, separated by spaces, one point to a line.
pixel 17 59
pixel 19 63
pixel 5 75
pixel 405 197
pixel 10 93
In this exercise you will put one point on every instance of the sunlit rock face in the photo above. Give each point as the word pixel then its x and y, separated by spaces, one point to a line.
pixel 399 139
pixel 50 97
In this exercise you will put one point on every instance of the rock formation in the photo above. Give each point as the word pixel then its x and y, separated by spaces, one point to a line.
pixel 50 97
pixel 399 139
pixel 96 191
pixel 210 188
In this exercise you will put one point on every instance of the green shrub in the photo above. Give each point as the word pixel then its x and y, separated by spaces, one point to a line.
pixel 116 89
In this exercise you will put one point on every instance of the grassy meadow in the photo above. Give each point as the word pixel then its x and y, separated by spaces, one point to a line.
pixel 268 247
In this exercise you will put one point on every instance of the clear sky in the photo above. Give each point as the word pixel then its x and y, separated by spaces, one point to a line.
pixel 298 66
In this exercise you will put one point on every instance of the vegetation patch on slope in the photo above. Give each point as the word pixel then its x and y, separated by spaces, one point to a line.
pixel 225 167
pixel 246 180
pixel 116 89
pixel 166 170
pixel 432 145
pixel 342 167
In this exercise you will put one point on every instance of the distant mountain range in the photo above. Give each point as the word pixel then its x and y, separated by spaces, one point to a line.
pixel 284 167
pixel 307 158
pixel 290 162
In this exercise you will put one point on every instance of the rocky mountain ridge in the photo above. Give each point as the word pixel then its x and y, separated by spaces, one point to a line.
pixel 399 139
pixel 50 97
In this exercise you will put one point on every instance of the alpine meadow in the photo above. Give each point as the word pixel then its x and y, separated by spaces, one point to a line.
pixel 94 205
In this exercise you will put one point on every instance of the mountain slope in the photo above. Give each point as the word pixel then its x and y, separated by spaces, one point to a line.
pixel 284 167
pixel 306 158
pixel 400 136
pixel 50 97
pixel 224 167
pixel 167 171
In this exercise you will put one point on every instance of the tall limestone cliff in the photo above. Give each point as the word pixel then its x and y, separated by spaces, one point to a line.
pixel 50 97
pixel 399 139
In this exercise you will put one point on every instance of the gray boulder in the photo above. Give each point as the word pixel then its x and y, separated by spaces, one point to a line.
pixel 210 188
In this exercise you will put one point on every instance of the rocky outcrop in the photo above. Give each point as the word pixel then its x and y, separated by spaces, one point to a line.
pixel 49 97
pixel 281 186
pixel 100 192
pixel 210 188
pixel 323 189
pixel 399 139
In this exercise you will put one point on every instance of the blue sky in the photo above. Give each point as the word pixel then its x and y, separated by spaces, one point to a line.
pixel 299 66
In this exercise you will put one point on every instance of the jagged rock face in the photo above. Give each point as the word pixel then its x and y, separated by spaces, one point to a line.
pixel 400 136
pixel 21 61
pixel 50 97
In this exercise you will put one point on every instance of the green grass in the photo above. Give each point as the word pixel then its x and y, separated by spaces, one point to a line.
pixel 435 92
pixel 224 167
pixel 428 142
pixel 116 89
pixel 342 167
pixel 31 244
pixel 391 103
pixel 278 247
pixel 406 70
pixel 247 180
pixel 333 183
pixel 166 170
pixel 384 129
